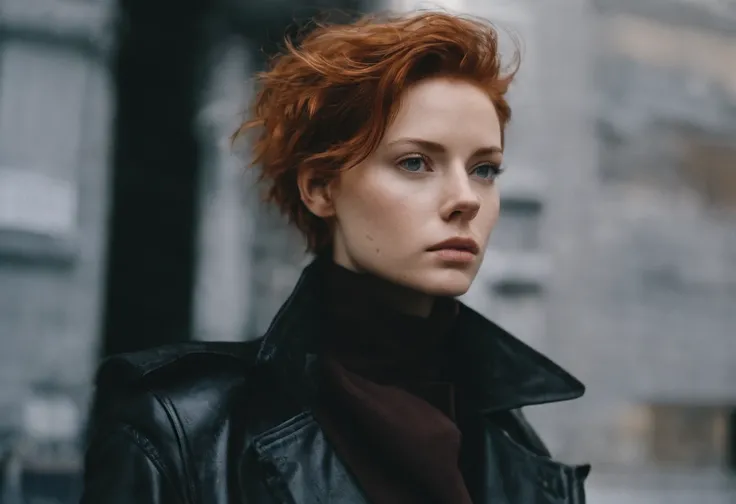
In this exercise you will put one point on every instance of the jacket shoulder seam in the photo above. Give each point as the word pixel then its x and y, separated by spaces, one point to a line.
pixel 122 369
pixel 146 371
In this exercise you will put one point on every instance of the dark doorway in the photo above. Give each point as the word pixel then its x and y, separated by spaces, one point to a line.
pixel 152 227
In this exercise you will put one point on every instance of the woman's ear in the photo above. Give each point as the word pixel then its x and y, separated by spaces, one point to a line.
pixel 316 194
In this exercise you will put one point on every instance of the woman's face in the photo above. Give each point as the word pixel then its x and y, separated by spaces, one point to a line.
pixel 431 179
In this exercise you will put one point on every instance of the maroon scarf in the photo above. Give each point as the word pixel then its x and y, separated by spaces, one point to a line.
pixel 388 408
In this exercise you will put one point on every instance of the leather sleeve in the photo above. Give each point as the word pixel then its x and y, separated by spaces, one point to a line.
pixel 147 409
pixel 122 467
pixel 132 455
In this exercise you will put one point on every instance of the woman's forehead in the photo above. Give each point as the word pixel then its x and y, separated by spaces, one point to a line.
pixel 439 110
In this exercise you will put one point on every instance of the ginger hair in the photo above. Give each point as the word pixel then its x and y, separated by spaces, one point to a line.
pixel 324 102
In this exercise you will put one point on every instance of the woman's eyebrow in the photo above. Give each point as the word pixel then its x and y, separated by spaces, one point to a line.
pixel 439 148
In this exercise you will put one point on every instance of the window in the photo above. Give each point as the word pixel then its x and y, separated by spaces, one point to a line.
pixel 42 104
pixel 709 167
pixel 518 267
pixel 731 441
pixel 42 121
pixel 697 436
pixel 518 226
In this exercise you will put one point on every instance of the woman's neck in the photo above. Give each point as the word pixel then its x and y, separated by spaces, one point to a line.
pixel 408 301
pixel 402 299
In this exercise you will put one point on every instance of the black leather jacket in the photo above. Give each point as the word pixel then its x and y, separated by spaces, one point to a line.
pixel 226 423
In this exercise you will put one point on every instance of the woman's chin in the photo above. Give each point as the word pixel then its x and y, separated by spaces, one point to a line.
pixel 445 282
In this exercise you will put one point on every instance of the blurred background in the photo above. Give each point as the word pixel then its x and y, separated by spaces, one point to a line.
pixel 127 221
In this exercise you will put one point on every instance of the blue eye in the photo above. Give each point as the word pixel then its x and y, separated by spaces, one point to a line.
pixel 487 171
pixel 413 164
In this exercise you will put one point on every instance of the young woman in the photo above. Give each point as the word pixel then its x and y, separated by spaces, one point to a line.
pixel 381 141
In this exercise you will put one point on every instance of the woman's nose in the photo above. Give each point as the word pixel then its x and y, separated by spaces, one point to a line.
pixel 461 201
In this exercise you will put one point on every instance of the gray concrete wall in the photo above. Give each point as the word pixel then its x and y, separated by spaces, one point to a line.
pixel 55 120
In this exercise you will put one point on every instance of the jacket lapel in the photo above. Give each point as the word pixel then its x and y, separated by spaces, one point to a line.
pixel 302 466
pixel 501 371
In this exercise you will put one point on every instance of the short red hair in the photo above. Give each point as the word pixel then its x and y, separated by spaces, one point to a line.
pixel 325 102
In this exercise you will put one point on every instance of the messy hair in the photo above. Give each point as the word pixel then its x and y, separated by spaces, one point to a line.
pixel 324 102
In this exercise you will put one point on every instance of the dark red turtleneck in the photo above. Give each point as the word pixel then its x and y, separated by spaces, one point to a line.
pixel 388 408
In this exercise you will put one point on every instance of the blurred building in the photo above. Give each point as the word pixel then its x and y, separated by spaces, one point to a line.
pixel 55 126
pixel 659 357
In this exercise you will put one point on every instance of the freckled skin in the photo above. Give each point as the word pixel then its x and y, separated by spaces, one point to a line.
pixel 386 217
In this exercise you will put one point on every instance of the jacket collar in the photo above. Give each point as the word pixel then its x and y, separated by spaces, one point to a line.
pixel 500 370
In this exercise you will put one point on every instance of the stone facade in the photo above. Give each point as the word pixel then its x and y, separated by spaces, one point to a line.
pixel 55 133
pixel 55 123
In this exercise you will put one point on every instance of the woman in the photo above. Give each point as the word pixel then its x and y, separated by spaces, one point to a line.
pixel 381 140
